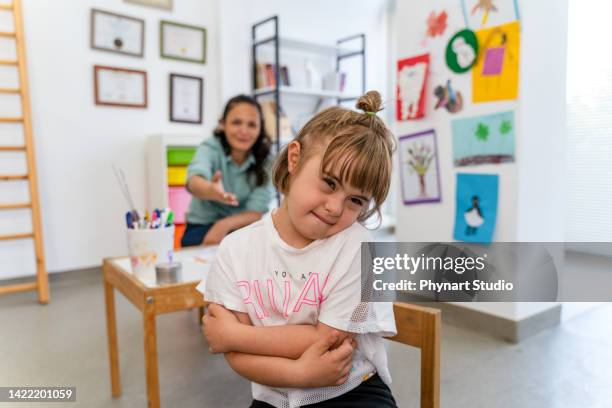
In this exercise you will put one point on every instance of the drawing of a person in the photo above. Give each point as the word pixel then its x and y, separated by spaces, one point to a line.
pixel 473 217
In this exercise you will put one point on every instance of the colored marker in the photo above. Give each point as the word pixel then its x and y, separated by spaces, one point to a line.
pixel 154 219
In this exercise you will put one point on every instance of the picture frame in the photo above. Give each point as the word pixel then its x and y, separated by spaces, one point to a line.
pixel 114 86
pixel 117 33
pixel 420 168
pixel 186 98
pixel 162 4
pixel 182 42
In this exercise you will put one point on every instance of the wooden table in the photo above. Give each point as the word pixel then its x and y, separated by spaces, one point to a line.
pixel 151 299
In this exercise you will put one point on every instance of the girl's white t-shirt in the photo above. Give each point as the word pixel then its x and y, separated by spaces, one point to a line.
pixel 256 272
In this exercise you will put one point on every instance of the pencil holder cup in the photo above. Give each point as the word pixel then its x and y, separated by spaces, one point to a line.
pixel 147 248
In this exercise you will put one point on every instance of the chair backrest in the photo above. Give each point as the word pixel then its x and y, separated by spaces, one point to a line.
pixel 420 327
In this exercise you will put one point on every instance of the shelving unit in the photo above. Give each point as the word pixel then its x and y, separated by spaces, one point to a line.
pixel 338 54
pixel 167 160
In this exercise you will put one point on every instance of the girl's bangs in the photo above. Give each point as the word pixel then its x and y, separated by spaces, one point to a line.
pixel 361 164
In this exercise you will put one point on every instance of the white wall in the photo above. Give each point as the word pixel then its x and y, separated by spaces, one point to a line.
pixel 532 190
pixel 76 141
pixel 435 222
pixel 542 149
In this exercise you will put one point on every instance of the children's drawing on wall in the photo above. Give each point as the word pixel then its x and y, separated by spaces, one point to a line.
pixel 495 76
pixel 419 168
pixel 448 98
pixel 461 51
pixel 484 7
pixel 436 24
pixel 483 139
pixel 412 76
pixel 473 217
pixel 487 13
pixel 476 207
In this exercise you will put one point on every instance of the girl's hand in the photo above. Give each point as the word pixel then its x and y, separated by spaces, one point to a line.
pixel 223 196
pixel 216 233
pixel 220 327
pixel 321 366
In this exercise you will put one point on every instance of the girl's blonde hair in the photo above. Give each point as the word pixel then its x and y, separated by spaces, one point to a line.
pixel 357 149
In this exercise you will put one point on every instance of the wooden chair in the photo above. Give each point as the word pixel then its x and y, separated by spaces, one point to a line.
pixel 420 327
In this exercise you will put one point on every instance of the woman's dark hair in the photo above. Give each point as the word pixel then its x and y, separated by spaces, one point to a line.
pixel 261 147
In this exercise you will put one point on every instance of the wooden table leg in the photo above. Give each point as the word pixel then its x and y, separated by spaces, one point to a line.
pixel 111 327
pixel 150 347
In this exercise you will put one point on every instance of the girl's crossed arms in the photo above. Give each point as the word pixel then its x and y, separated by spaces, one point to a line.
pixel 300 355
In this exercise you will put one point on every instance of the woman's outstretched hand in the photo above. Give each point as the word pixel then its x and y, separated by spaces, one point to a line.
pixel 223 196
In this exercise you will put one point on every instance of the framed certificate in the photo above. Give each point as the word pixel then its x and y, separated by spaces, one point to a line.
pixel 163 4
pixel 116 33
pixel 186 98
pixel 182 42
pixel 120 87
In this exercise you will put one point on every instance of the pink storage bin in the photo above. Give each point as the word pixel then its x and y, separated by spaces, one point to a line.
pixel 179 199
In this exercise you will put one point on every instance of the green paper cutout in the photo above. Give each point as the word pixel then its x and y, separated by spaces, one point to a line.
pixel 505 127
pixel 482 132
pixel 462 51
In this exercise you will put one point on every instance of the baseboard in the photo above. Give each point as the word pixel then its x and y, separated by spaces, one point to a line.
pixel 538 322
pixel 58 276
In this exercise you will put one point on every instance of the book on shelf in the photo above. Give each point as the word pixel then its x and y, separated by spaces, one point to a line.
pixel 270 77
pixel 284 72
pixel 268 109
pixel 260 75
pixel 266 75
pixel 342 81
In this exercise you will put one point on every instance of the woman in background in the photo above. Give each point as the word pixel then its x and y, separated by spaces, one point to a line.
pixel 228 177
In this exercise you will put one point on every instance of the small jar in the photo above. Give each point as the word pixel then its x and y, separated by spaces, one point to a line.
pixel 168 272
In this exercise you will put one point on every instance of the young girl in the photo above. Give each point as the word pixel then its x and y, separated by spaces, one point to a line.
pixel 297 326
pixel 228 176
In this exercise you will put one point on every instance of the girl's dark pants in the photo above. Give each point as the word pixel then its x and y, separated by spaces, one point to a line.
pixel 372 393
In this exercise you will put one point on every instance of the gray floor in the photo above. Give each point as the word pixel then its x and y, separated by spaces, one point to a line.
pixel 64 344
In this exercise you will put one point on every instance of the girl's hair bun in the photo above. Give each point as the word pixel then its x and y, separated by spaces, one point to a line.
pixel 370 102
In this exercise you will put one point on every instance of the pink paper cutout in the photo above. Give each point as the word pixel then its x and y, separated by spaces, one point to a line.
pixel 493 61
